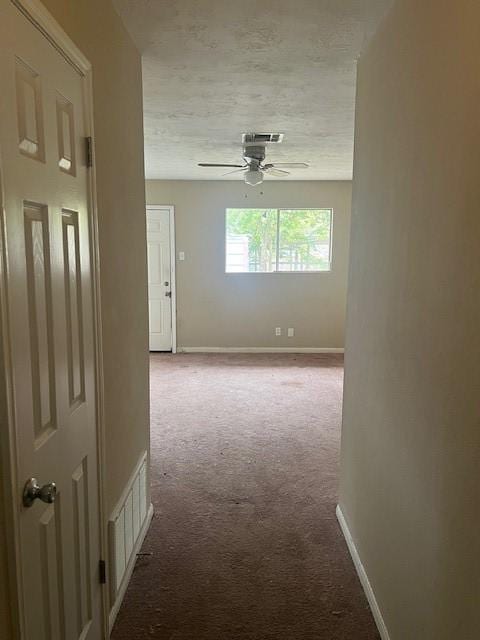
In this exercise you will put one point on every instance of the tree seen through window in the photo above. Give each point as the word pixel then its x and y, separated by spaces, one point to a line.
pixel 267 240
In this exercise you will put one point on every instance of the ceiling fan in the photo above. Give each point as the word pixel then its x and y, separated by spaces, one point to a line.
pixel 254 166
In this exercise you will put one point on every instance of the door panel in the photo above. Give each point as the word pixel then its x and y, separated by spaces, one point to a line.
pixel 81 526
pixel 73 307
pixel 39 305
pixel 52 572
pixel 51 333
pixel 31 139
pixel 159 279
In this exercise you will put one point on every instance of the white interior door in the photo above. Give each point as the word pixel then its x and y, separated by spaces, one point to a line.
pixel 50 329
pixel 159 278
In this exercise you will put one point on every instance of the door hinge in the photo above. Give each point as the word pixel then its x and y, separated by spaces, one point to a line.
pixel 102 572
pixel 89 151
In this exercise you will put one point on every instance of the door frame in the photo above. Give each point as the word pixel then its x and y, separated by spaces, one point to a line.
pixel 173 281
pixel 35 12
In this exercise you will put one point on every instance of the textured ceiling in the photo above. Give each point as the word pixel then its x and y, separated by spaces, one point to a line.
pixel 216 68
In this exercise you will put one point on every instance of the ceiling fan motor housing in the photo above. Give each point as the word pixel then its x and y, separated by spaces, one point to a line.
pixel 254 152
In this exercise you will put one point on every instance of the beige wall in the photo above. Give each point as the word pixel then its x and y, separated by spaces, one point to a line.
pixel 410 482
pixel 242 310
pixel 99 33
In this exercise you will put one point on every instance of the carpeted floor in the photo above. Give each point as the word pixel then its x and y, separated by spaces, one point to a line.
pixel 245 544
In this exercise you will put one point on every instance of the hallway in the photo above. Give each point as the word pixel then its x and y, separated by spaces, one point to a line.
pixel 245 543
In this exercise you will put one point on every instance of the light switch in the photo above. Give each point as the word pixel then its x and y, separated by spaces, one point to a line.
pixel 181 255
pixel 291 332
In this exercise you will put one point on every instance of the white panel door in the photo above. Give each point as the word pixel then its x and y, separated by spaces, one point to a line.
pixel 159 279
pixel 49 315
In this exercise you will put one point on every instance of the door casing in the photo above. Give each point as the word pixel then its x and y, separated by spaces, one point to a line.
pixel 35 12
pixel 173 288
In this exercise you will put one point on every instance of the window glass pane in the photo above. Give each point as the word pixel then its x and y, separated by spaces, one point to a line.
pixel 251 240
pixel 305 240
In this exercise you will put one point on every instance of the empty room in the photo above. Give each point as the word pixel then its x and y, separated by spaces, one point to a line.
pixel 239 347
pixel 247 225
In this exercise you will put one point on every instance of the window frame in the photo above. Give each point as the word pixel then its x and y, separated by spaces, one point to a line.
pixel 277 271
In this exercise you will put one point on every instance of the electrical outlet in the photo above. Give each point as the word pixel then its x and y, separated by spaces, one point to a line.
pixel 291 332
pixel 278 331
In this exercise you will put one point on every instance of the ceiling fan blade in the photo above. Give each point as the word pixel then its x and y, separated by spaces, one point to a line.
pixel 235 171
pixel 271 171
pixel 208 164
pixel 290 165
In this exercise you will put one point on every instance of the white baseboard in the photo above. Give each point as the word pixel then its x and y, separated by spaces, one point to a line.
pixel 362 574
pixel 260 350
pixel 115 608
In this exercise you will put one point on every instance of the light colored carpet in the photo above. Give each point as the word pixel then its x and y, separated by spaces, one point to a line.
pixel 245 542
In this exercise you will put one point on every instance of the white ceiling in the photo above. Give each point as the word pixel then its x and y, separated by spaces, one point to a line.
pixel 216 68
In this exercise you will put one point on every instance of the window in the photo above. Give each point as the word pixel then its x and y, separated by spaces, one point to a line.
pixel 267 240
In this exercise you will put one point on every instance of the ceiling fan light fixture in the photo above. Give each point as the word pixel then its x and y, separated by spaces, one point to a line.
pixel 254 177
